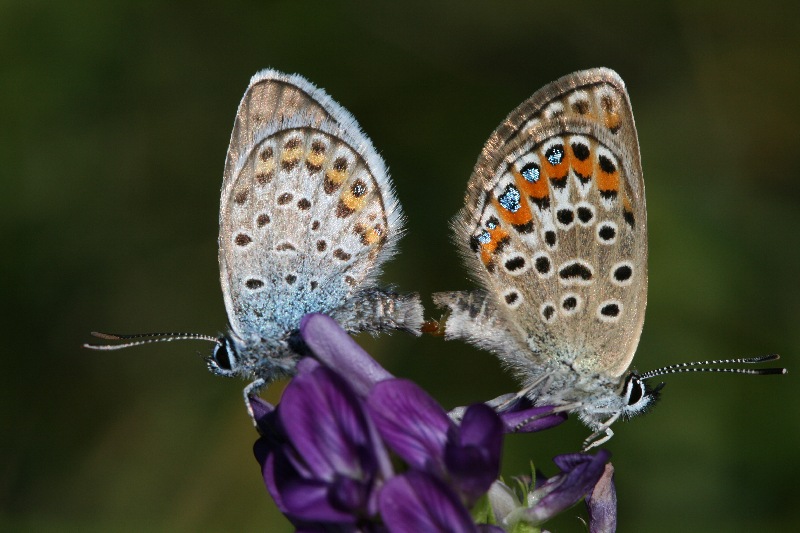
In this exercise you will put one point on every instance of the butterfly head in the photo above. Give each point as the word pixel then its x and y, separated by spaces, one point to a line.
pixel 638 396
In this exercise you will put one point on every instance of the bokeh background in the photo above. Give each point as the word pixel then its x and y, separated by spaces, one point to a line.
pixel 115 121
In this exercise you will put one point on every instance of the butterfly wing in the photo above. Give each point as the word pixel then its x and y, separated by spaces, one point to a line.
pixel 554 225
pixel 307 214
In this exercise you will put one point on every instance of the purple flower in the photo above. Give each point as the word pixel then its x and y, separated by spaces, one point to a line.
pixel 602 503
pixel 321 457
pixel 418 430
pixel 579 474
pixel 582 476
pixel 324 451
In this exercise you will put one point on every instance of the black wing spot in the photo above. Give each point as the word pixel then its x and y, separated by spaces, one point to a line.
pixel 565 216
pixel 515 263
pixel 606 165
pixel 623 273
pixel 607 233
pixel 542 264
pixel 610 310
pixel 581 151
pixel 254 283
pixel 575 271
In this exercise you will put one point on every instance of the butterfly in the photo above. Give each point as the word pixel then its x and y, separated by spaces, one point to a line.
pixel 554 229
pixel 308 215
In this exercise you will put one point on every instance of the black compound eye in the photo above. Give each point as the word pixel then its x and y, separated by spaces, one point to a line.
pixel 222 357
pixel 637 392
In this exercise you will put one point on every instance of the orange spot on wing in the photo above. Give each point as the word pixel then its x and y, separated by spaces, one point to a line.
pixel 487 250
pixel 538 189
pixel 612 121
pixel 607 181
pixel 523 215
pixel 583 168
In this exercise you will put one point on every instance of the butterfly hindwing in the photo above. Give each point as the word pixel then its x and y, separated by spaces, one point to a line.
pixel 308 213
pixel 554 225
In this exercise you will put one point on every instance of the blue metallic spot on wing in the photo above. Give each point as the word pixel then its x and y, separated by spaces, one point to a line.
pixel 555 154
pixel 531 172
pixel 510 198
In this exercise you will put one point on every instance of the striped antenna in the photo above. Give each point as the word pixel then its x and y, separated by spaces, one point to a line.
pixel 693 367
pixel 147 338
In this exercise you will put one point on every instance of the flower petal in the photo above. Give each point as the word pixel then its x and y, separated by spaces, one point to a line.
pixel 520 416
pixel 411 423
pixel 308 500
pixel 602 503
pixel 580 473
pixel 472 455
pixel 503 500
pixel 327 424
pixel 416 501
pixel 337 350
pixel 268 425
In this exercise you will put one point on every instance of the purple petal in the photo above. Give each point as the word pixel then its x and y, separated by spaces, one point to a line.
pixel 410 422
pixel 326 423
pixel 337 350
pixel 580 473
pixel 602 503
pixel 268 425
pixel 268 472
pixel 520 416
pixel 259 407
pixel 472 455
pixel 306 364
pixel 417 501
pixel 309 500
pixel 300 499
pixel 482 427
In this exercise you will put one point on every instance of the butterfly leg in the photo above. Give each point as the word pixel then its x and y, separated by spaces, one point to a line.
pixel 252 390
pixel 375 310
pixel 593 440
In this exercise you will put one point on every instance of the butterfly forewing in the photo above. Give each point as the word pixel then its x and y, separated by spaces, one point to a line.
pixel 272 97
pixel 555 228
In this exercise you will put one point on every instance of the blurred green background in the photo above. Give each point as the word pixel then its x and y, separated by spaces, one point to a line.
pixel 115 121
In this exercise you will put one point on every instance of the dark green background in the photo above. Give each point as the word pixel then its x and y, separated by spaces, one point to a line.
pixel 115 120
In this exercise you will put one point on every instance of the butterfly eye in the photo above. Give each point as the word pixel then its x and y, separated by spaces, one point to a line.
pixel 635 391
pixel 224 356
pixel 637 396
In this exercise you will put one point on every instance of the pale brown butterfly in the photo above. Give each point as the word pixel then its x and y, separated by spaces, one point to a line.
pixel 554 229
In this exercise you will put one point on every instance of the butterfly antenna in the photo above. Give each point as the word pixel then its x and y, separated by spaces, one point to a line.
pixel 701 366
pixel 146 338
